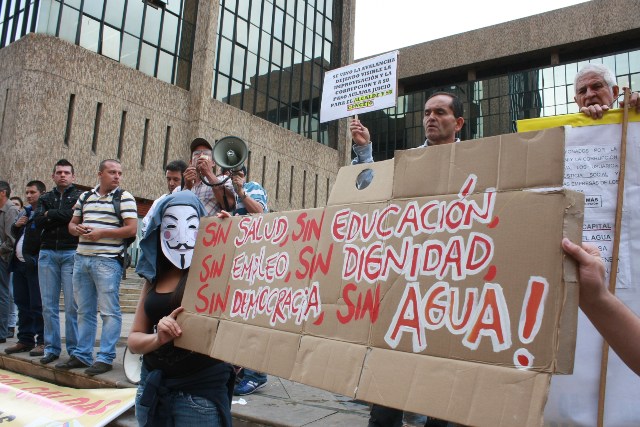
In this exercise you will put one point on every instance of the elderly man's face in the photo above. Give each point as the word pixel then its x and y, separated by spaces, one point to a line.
pixel 591 89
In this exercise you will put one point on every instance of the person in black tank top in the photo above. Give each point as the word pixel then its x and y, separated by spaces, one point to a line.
pixel 177 386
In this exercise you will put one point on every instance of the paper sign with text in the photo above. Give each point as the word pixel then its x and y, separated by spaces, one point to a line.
pixel 29 402
pixel 592 156
pixel 446 259
pixel 358 88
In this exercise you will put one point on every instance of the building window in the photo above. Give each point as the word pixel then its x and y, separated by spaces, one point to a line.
pixel 158 42
pixel 271 59
pixel 493 106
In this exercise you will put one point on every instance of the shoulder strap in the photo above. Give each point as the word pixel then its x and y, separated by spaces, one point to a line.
pixel 83 200
pixel 116 200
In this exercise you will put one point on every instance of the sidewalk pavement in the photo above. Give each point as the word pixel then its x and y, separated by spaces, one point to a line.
pixel 280 403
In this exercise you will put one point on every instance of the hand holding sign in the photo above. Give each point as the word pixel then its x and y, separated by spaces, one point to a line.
pixel 359 133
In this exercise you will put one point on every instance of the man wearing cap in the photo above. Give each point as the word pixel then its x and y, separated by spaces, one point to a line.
pixel 214 194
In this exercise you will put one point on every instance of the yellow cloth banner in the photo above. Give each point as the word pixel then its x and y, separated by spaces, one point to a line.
pixel 576 120
pixel 26 401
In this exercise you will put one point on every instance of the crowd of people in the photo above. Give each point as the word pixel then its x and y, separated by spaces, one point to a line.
pixel 73 242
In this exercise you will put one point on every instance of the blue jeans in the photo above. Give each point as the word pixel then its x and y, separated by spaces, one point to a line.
pixel 256 376
pixel 55 269
pixel 26 293
pixel 6 304
pixel 186 409
pixel 96 282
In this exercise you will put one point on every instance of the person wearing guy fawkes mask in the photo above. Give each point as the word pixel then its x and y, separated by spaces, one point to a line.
pixel 174 379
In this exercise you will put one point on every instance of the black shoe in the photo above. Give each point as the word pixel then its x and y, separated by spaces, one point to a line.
pixel 48 358
pixel 3 340
pixel 98 368
pixel 72 363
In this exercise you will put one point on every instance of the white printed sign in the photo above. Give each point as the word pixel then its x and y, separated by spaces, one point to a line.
pixel 592 161
pixel 359 88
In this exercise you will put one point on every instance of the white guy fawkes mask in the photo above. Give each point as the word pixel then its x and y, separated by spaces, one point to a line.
pixel 178 234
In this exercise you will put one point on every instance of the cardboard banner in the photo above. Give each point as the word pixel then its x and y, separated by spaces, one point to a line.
pixel 358 88
pixel 439 288
pixel 29 402
pixel 592 163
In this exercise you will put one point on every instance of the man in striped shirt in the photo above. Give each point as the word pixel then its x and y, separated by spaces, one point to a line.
pixel 98 266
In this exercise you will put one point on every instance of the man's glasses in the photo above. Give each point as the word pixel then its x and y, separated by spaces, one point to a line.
pixel 199 153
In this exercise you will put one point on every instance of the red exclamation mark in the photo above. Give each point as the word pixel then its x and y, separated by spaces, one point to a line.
pixel 530 319
pixel 533 309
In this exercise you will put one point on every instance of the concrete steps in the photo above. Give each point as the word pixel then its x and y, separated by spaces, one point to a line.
pixel 129 292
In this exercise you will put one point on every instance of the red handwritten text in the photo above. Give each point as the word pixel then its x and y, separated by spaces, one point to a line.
pixel 417 313
pixel 254 229
pixel 458 258
pixel 260 267
pixel 280 304
pixel 432 217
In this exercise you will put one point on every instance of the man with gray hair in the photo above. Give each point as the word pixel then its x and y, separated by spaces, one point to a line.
pixel 596 90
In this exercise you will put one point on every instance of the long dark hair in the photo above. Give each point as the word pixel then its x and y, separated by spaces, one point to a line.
pixel 163 265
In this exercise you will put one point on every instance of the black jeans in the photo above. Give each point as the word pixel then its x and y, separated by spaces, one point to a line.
pixel 381 416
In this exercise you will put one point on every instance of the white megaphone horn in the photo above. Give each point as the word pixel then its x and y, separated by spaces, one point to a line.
pixel 230 153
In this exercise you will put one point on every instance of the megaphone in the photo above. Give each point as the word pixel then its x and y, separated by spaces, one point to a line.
pixel 230 153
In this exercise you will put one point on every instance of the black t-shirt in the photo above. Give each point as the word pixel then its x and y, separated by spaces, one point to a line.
pixel 175 362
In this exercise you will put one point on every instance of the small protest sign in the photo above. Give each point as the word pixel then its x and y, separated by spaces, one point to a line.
pixel 358 88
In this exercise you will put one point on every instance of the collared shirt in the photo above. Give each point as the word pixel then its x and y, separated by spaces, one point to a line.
pixel 257 193
pixel 208 199
pixel 98 212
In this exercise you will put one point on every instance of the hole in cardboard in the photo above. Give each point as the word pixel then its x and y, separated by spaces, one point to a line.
pixel 364 179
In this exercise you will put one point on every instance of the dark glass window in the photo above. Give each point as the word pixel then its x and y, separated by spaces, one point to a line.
pixel 493 105
pixel 158 42
pixel 271 59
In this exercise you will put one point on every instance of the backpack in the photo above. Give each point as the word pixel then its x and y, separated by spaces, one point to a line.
pixel 116 200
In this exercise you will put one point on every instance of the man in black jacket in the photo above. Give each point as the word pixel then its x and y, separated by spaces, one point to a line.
pixel 24 265
pixel 55 265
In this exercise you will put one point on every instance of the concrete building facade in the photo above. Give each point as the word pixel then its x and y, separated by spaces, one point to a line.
pixel 80 94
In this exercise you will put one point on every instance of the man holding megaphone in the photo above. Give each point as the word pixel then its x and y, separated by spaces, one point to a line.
pixel 214 192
